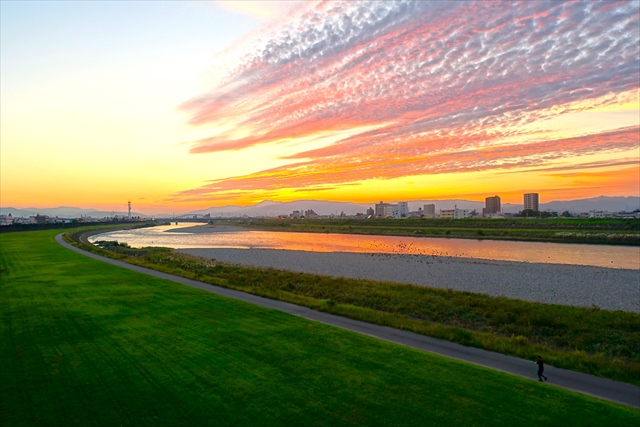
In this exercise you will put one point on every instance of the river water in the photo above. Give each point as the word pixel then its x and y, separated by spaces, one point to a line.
pixel 188 235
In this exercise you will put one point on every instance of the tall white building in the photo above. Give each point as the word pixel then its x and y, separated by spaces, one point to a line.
pixel 403 209
pixel 531 201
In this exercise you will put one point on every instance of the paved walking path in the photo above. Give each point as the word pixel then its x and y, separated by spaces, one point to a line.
pixel 602 388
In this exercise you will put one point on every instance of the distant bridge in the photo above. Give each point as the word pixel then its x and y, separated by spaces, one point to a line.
pixel 195 218
pixel 188 218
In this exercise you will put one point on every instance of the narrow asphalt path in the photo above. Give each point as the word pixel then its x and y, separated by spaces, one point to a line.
pixel 602 388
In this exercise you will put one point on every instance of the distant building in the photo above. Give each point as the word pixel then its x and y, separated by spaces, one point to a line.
pixel 492 206
pixel 310 213
pixel 429 211
pixel 531 201
pixel 634 214
pixel 387 210
pixel 295 214
pixel 6 219
pixel 454 213
pixel 370 213
pixel 600 214
pixel 403 210
pixel 380 209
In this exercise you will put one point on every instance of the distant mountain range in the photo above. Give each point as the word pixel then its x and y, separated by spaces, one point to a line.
pixel 272 209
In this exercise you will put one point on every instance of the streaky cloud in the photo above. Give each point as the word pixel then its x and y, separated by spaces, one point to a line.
pixel 341 170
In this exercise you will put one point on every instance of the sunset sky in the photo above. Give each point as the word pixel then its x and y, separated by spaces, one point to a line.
pixel 179 106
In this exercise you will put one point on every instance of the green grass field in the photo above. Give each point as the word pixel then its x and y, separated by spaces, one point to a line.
pixel 88 343
pixel 590 340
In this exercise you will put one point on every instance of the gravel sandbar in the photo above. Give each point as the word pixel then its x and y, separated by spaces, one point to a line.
pixel 607 288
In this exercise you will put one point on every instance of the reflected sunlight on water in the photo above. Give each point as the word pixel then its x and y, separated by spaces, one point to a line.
pixel 534 252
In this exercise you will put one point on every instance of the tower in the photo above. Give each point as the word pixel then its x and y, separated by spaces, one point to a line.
pixel 129 205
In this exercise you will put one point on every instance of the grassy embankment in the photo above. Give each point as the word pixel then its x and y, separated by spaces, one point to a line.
pixel 561 230
pixel 590 340
pixel 84 342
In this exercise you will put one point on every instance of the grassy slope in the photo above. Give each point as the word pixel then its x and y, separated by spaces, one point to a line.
pixel 85 342
pixel 598 342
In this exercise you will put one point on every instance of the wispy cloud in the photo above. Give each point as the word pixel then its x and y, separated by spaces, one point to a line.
pixel 394 164
pixel 437 87
pixel 584 166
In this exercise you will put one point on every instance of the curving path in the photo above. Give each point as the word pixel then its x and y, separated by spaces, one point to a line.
pixel 602 388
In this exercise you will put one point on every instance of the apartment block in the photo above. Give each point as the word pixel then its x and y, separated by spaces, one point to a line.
pixel 531 201
pixel 387 210
pixel 429 211
pixel 492 206
pixel 454 213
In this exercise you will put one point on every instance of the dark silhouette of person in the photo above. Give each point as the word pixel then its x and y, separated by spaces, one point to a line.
pixel 540 364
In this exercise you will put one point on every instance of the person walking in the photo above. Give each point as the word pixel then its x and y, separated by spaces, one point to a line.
pixel 540 364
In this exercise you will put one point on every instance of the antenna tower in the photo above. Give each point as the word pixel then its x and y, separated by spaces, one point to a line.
pixel 129 205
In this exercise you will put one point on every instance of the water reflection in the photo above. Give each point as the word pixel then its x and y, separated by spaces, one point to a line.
pixel 202 236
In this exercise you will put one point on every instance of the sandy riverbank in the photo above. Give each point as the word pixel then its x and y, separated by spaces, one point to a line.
pixel 609 289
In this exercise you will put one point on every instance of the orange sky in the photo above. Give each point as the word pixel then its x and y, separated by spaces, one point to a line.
pixel 251 101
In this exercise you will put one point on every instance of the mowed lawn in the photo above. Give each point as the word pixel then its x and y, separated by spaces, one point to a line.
pixel 87 343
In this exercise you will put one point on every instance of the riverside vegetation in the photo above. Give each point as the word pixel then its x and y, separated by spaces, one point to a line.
pixel 561 230
pixel 599 342
pixel 85 342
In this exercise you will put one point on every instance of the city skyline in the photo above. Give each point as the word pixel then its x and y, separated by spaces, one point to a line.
pixel 430 209
pixel 186 105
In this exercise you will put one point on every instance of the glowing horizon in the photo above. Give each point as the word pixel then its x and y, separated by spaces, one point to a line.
pixel 337 101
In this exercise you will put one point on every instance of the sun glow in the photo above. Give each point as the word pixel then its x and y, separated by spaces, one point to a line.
pixel 198 104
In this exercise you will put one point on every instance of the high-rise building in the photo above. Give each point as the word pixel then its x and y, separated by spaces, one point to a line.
pixel 531 201
pixel 310 213
pixel 388 210
pixel 492 205
pixel 380 209
pixel 429 211
pixel 403 209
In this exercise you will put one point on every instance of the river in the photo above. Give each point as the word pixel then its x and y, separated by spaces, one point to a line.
pixel 193 235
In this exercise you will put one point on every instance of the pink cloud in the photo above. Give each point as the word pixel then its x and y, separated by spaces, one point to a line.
pixel 338 170
pixel 447 80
